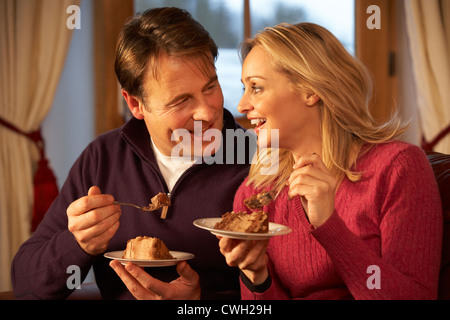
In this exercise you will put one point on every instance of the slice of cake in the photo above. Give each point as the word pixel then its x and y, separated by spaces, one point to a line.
pixel 255 222
pixel 158 201
pixel 257 201
pixel 146 248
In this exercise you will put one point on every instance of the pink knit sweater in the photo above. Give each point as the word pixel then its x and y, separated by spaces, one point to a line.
pixel 383 240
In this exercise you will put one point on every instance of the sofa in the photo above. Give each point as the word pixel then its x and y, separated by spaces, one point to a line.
pixel 441 168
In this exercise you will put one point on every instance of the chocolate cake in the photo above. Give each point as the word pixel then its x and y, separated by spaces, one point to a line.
pixel 146 248
pixel 259 200
pixel 255 222
pixel 158 201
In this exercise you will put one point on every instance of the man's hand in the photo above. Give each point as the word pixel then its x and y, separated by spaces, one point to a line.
pixel 94 220
pixel 144 287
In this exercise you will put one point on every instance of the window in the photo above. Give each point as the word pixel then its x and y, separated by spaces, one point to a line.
pixel 336 16
pixel 224 19
pixel 225 24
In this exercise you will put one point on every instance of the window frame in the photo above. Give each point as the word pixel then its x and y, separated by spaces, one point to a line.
pixel 375 48
pixel 110 15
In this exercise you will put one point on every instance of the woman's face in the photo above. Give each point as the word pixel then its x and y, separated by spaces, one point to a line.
pixel 272 105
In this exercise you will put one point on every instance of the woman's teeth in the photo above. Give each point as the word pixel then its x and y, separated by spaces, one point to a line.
pixel 257 121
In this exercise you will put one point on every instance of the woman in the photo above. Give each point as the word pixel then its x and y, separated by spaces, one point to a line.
pixel 364 208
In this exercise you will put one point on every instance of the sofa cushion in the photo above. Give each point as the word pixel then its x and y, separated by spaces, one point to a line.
pixel 441 167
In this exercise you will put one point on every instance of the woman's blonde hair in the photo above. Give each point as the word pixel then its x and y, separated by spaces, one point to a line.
pixel 316 62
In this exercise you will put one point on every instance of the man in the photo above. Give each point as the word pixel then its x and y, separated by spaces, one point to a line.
pixel 165 65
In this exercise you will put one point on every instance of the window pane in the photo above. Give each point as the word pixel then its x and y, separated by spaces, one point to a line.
pixel 225 24
pixel 336 16
pixel 224 20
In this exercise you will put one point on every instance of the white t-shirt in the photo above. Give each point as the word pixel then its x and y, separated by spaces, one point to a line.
pixel 171 167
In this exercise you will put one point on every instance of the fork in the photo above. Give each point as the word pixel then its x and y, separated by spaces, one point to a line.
pixel 151 207
pixel 132 205
pixel 264 198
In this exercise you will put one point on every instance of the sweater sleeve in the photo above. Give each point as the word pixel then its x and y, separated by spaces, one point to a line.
pixel 274 292
pixel 40 267
pixel 410 219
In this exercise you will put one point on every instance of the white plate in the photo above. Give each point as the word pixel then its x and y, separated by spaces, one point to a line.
pixel 275 229
pixel 177 255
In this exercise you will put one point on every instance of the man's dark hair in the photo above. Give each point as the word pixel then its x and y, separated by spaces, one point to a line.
pixel 156 32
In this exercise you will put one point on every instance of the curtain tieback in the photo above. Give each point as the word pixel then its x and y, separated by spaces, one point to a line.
pixel 44 182
pixel 35 136
pixel 429 146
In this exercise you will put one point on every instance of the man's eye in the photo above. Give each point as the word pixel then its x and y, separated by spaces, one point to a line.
pixel 210 88
pixel 180 102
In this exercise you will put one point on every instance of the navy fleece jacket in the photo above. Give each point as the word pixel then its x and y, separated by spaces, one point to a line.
pixel 121 163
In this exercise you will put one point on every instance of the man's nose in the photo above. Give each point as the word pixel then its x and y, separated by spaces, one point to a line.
pixel 203 111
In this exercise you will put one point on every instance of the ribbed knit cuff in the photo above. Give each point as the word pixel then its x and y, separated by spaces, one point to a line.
pixel 260 288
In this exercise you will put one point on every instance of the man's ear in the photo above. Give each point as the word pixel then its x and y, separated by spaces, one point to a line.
pixel 134 104
pixel 311 99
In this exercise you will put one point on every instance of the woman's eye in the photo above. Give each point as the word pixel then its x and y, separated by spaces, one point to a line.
pixel 256 89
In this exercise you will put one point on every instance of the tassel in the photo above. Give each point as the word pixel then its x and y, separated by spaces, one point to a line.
pixel 45 191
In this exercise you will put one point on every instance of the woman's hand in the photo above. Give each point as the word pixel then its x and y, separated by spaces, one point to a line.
pixel 316 186
pixel 249 256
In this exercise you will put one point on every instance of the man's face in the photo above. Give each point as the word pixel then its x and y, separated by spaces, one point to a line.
pixel 180 95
